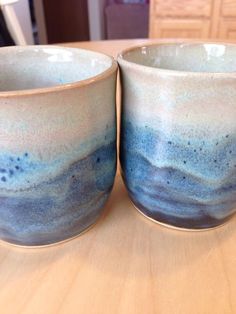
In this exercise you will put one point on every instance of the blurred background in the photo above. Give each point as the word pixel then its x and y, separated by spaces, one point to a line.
pixel 58 21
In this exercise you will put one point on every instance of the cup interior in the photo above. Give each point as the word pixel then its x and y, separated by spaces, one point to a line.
pixel 31 67
pixel 199 57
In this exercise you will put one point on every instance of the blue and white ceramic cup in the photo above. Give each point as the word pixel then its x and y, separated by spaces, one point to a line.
pixel 57 141
pixel 178 132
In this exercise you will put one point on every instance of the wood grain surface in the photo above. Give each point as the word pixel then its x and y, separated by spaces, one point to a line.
pixel 125 264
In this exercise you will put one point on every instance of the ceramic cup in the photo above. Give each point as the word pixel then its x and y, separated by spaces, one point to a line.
pixel 178 132
pixel 57 141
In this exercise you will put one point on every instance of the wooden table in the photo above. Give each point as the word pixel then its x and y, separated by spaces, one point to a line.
pixel 124 264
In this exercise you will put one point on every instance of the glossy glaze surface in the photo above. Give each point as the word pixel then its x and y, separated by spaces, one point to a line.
pixel 45 66
pixel 178 136
pixel 58 147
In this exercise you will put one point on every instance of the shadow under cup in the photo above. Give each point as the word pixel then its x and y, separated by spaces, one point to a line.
pixel 57 141
pixel 178 132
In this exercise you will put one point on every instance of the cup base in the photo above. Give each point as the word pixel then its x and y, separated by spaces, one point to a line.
pixel 41 246
pixel 169 226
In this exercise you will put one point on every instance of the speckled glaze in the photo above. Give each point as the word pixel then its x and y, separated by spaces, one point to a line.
pixel 178 132
pixel 57 141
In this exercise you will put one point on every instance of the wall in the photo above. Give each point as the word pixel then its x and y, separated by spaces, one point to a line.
pixel 40 20
pixel 96 19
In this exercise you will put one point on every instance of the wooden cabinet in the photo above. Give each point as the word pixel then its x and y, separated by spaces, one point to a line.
pixel 182 8
pixel 181 28
pixel 228 8
pixel 193 19
pixel 227 29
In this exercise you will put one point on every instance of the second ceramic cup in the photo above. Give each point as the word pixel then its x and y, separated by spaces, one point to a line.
pixel 178 132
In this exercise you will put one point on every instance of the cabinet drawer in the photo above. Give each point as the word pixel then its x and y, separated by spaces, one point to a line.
pixel 182 8
pixel 180 28
pixel 228 8
pixel 227 29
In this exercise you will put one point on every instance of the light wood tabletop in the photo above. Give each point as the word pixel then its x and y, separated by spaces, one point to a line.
pixel 125 264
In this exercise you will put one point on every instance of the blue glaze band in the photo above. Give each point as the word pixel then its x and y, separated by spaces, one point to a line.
pixel 190 185
pixel 61 207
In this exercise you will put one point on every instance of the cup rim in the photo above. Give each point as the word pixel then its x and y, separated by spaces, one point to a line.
pixel 171 72
pixel 60 87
